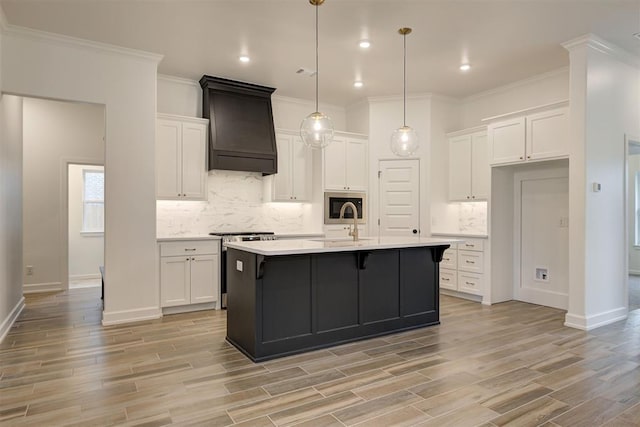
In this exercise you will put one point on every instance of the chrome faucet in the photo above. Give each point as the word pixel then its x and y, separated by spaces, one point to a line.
pixel 354 209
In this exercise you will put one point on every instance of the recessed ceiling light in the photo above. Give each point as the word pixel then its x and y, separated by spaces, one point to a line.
pixel 244 58
pixel 365 44
pixel 465 67
pixel 358 84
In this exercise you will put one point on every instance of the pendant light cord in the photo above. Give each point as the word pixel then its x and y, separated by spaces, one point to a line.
pixel 317 70
pixel 404 81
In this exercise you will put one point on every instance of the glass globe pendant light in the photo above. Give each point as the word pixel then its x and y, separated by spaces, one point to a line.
pixel 404 140
pixel 316 129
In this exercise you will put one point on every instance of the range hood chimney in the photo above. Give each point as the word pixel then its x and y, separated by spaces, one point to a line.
pixel 242 135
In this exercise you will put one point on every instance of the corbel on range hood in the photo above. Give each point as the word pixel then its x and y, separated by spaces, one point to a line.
pixel 242 135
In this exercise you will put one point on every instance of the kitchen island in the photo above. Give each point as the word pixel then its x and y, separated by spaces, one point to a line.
pixel 290 296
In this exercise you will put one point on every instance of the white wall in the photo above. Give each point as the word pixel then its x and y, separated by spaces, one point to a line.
pixel 605 103
pixel 55 133
pixel 357 116
pixel 86 250
pixel 235 197
pixel 539 90
pixel 385 115
pixel 125 82
pixel 11 300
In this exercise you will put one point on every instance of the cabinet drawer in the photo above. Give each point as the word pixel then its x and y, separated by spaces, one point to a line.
pixel 448 279
pixel 449 259
pixel 194 247
pixel 470 261
pixel 472 245
pixel 470 283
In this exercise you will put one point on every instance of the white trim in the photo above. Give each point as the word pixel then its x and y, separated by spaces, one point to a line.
pixel 557 104
pixel 44 36
pixel 467 131
pixel 462 295
pixel 510 86
pixel 178 80
pixel 603 46
pixel 189 308
pixel 129 316
pixel 85 276
pixel 306 102
pixel 197 120
pixel 92 233
pixel 7 323
pixel 415 96
pixel 34 288
pixel 596 320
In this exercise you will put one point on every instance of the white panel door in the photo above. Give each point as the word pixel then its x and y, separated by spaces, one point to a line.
pixel 204 278
pixel 507 141
pixel 399 197
pixel 282 180
pixel 175 286
pixel 194 161
pixel 335 177
pixel 460 168
pixel 480 169
pixel 548 134
pixel 168 159
pixel 301 168
pixel 356 167
pixel 544 245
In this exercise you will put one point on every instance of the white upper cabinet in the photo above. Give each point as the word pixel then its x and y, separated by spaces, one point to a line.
pixel 292 183
pixel 538 136
pixel 345 164
pixel 468 167
pixel 181 158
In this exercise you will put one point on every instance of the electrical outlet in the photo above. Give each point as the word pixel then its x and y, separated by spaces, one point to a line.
pixel 564 221
pixel 29 270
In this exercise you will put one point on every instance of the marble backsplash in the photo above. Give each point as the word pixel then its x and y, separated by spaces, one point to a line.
pixel 473 217
pixel 235 203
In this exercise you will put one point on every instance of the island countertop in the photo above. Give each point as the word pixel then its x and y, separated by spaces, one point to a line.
pixel 310 246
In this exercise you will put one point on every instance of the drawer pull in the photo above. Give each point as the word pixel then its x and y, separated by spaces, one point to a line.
pixel 447 259
pixel 470 283
pixel 470 245
pixel 445 279
pixel 190 250
pixel 470 262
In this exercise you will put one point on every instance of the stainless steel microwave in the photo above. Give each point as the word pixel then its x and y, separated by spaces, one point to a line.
pixel 333 203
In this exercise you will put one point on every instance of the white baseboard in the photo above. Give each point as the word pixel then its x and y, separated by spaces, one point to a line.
pixel 470 297
pixel 129 316
pixel 189 308
pixel 85 276
pixel 33 288
pixel 11 318
pixel 595 321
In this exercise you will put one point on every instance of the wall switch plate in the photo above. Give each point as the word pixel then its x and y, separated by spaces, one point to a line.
pixel 29 270
pixel 239 265
pixel 597 187
pixel 542 274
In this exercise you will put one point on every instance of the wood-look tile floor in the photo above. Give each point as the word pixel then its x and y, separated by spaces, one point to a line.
pixel 509 364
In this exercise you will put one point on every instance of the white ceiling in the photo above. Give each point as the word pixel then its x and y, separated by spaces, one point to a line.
pixel 505 41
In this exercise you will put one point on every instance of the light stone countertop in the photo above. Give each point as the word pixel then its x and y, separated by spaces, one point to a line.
pixel 461 234
pixel 293 247
pixel 180 238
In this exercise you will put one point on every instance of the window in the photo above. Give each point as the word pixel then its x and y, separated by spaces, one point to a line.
pixel 92 201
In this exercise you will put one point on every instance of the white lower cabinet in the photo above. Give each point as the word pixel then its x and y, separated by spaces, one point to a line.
pixel 336 231
pixel 189 272
pixel 462 267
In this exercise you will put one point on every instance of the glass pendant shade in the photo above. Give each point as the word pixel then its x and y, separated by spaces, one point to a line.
pixel 316 130
pixel 404 141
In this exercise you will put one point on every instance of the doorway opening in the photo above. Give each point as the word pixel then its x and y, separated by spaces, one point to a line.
pixel 633 220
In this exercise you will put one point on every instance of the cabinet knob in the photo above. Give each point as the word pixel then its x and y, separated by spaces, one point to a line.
pixel 473 197
pixel 187 259
pixel 521 158
pixel 528 157
pixel 468 197
pixel 415 231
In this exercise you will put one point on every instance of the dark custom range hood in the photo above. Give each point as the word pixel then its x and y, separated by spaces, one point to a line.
pixel 242 135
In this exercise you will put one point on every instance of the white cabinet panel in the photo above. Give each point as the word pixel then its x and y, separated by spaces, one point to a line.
pixel 292 183
pixel 507 141
pixel 448 279
pixel 345 164
pixel 356 168
pixel 470 244
pixel 282 180
pixel 181 158
pixel 449 259
pixel 460 168
pixel 470 261
pixel 301 170
pixel 335 161
pixel 548 134
pixel 175 287
pixel 339 231
pixel 480 169
pixel 470 283
pixel 203 273
pixel 463 269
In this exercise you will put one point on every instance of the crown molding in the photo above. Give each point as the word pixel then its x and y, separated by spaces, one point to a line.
pixel 414 96
pixel 59 39
pixel 305 102
pixel 178 80
pixel 510 86
pixel 603 46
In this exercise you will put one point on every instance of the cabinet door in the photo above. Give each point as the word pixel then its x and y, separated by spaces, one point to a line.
pixel 168 160
pixel 480 169
pixel 335 177
pixel 356 165
pixel 548 134
pixel 301 167
pixel 460 168
pixel 506 141
pixel 282 180
pixel 194 161
pixel 205 273
pixel 449 279
pixel 174 281
pixel 340 231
